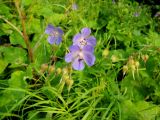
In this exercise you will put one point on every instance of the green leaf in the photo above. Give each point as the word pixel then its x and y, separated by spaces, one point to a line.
pixel 147 110
pixel 16 38
pixel 26 2
pixel 17 80
pixel 3 65
pixel 14 55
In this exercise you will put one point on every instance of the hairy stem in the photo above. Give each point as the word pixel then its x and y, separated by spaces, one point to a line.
pixel 25 36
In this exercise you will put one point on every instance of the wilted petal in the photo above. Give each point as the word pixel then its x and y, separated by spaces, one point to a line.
pixel 74 48
pixel 89 58
pixel 91 41
pixel 86 32
pixel 88 48
pixel 49 29
pixel 78 64
pixel 69 57
pixel 76 38
pixel 58 40
pixel 51 39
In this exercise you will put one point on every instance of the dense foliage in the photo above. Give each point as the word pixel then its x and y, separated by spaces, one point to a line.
pixel 39 79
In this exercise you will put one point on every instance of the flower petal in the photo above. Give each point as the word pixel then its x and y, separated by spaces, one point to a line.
pixel 58 40
pixel 88 48
pixel 89 58
pixel 49 29
pixel 60 31
pixel 68 57
pixel 78 64
pixel 91 41
pixel 76 38
pixel 74 48
pixel 86 32
pixel 51 39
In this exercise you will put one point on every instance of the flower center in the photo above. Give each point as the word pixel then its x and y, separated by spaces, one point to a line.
pixel 55 33
pixel 83 42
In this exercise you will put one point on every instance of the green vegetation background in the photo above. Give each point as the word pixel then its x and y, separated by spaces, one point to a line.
pixel 122 85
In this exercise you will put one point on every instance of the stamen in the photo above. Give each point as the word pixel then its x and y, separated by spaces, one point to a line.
pixel 83 42
pixel 55 33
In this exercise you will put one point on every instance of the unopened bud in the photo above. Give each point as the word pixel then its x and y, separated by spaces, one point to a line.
pixel 125 69
pixel 145 58
pixel 69 83
pixel 136 64
pixel 131 61
pixel 65 70
pixel 114 58
pixel 44 67
pixel 51 69
pixel 105 52
pixel 65 77
pixel 133 67
pixel 59 71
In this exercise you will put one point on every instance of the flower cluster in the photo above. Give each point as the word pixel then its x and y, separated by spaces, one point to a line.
pixel 82 50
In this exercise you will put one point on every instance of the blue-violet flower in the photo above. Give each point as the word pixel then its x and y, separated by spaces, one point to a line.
pixel 74 6
pixel 82 39
pixel 55 34
pixel 77 56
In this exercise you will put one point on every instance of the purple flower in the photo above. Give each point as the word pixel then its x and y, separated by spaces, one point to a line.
pixel 55 34
pixel 82 39
pixel 74 6
pixel 136 14
pixel 79 55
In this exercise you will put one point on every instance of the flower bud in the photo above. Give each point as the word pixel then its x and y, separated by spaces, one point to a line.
pixel 125 69
pixel 136 64
pixel 65 77
pixel 59 71
pixel 145 58
pixel 105 52
pixel 51 69
pixel 131 61
pixel 44 67
pixel 133 67
pixel 69 83
pixel 65 70
pixel 114 58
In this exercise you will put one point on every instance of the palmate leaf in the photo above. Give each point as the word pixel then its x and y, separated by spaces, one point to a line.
pixel 140 110
pixel 16 38
pixel 14 55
